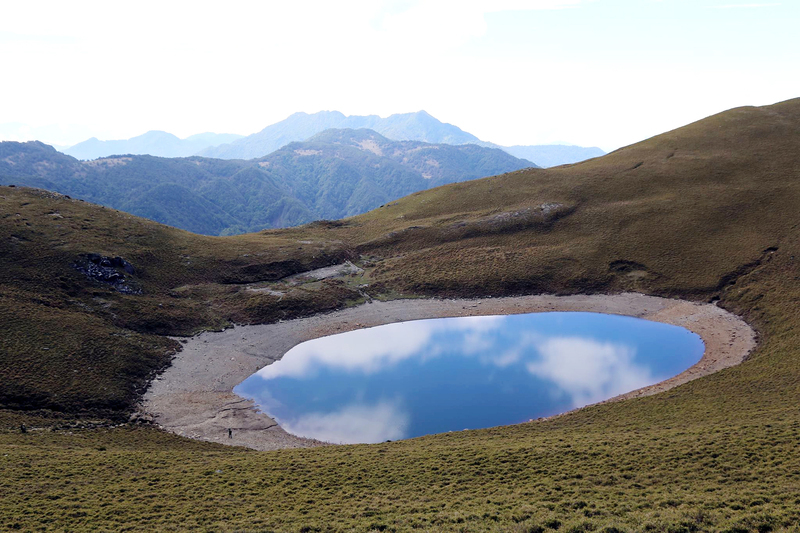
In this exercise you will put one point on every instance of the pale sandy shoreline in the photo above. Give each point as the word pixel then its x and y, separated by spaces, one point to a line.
pixel 194 397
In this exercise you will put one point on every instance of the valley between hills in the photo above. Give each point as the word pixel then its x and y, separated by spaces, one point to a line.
pixel 334 174
pixel 92 301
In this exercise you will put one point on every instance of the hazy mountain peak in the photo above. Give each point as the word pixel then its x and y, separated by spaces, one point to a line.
pixel 301 118
pixel 158 133
pixel 153 142
pixel 25 148
pixel 415 126
pixel 348 135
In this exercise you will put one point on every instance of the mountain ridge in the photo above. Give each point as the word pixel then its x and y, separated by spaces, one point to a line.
pixel 416 126
pixel 154 142
pixel 300 126
pixel 336 174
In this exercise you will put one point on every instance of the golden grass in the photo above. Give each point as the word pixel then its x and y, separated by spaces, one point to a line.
pixel 706 212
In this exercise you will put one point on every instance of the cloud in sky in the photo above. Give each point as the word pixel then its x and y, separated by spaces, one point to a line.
pixel 512 72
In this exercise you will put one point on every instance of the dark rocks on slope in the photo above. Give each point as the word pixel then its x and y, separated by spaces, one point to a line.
pixel 109 270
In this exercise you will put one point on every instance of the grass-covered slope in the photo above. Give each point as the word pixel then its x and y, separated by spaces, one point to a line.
pixel 681 213
pixel 73 342
pixel 707 211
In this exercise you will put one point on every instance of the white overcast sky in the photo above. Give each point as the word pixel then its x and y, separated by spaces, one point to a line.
pixel 589 72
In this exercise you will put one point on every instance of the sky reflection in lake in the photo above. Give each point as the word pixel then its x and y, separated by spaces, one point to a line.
pixel 430 376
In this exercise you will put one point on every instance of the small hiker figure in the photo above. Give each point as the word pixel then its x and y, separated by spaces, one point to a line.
pixel 230 433
pixel 22 428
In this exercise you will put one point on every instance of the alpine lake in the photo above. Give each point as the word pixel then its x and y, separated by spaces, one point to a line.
pixel 415 378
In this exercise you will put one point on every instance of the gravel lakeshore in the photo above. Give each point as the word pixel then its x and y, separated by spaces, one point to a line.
pixel 194 397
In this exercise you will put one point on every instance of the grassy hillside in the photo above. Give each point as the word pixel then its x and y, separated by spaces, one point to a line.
pixel 71 342
pixel 705 212
pixel 333 176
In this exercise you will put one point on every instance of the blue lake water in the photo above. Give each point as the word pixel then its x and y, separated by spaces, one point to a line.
pixel 415 378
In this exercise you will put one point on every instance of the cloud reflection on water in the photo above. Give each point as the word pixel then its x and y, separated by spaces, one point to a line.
pixel 371 350
pixel 354 423
pixel 428 365
pixel 587 370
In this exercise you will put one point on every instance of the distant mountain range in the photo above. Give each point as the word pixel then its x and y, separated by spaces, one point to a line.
pixel 157 143
pixel 334 174
pixel 419 126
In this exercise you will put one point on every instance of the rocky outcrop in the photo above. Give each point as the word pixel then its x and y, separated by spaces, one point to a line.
pixel 114 271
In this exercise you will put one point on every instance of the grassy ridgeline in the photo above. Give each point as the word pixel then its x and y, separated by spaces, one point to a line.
pixel 707 211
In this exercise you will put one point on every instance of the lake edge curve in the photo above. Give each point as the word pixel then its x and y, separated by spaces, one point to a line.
pixel 194 396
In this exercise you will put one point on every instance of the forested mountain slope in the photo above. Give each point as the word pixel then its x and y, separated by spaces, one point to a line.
pixel 336 174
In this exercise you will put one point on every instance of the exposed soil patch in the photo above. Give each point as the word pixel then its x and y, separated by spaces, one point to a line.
pixel 335 271
pixel 194 396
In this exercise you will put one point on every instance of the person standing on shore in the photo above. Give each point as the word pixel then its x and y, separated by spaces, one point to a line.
pixel 230 433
